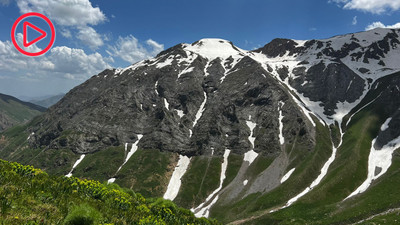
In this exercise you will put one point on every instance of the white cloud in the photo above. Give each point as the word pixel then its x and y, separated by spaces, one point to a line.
pixel 65 12
pixel 354 22
pixel 381 25
pixel 75 15
pixel 372 6
pixel 129 49
pixel 90 37
pixel 65 32
pixel 157 48
pixel 59 62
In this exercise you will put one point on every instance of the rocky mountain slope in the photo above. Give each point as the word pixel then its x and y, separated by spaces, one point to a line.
pixel 14 111
pixel 287 133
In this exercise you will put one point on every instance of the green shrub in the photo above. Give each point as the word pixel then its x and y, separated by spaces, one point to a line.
pixel 83 214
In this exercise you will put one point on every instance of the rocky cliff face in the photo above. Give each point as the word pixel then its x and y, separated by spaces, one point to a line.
pixel 195 97
pixel 188 99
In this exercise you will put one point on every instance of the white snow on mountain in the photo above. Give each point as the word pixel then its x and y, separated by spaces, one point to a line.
pixel 200 111
pixel 185 71
pixel 175 181
pixel 213 48
pixel 250 156
pixel 385 125
pixel 281 138
pixel 166 104
pixel 180 113
pixel 251 126
pixel 134 148
pixel 75 165
pixel 379 162
pixel 287 175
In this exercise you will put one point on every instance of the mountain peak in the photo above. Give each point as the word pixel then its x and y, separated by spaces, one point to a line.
pixel 212 48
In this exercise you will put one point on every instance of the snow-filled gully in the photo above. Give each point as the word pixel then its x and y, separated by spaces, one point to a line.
pixel 175 181
pixel 251 155
pixel 281 138
pixel 203 210
pixel 379 161
pixel 75 165
pixel 134 148
pixel 199 113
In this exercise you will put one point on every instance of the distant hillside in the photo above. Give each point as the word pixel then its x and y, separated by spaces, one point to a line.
pixel 48 101
pixel 14 111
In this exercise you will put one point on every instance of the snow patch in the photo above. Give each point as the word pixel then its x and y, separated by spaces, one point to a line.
pixel 378 159
pixel 281 138
pixel 166 104
pixel 111 180
pixel 385 125
pixel 180 113
pixel 155 88
pixel 29 137
pixel 251 126
pixel 131 152
pixel 185 71
pixel 204 211
pixel 75 165
pixel 200 111
pixel 175 181
pixel 287 175
pixel 250 156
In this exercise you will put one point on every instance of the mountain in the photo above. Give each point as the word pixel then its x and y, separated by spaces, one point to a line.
pixel 14 111
pixel 47 101
pixel 296 132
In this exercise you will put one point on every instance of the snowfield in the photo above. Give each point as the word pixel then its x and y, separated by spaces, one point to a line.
pixel 175 181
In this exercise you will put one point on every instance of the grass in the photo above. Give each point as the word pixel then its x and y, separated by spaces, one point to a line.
pixel 306 171
pixel 324 205
pixel 200 180
pixel 146 172
pixel 234 163
pixel 31 196
pixel 100 165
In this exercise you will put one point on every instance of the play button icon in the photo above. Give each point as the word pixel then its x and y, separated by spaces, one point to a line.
pixel 36 35
pixel 27 25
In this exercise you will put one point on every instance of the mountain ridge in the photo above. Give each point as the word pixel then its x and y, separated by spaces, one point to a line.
pixel 14 111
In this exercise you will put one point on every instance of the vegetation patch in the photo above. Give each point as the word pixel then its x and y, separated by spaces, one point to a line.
pixel 199 181
pixel 31 196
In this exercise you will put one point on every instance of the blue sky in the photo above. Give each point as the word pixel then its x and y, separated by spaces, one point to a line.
pixel 98 34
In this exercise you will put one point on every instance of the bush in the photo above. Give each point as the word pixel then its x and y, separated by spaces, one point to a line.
pixel 83 214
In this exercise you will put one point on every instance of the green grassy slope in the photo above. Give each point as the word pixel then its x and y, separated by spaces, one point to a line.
pixel 30 196
pixel 14 111
pixel 307 169
pixel 324 204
